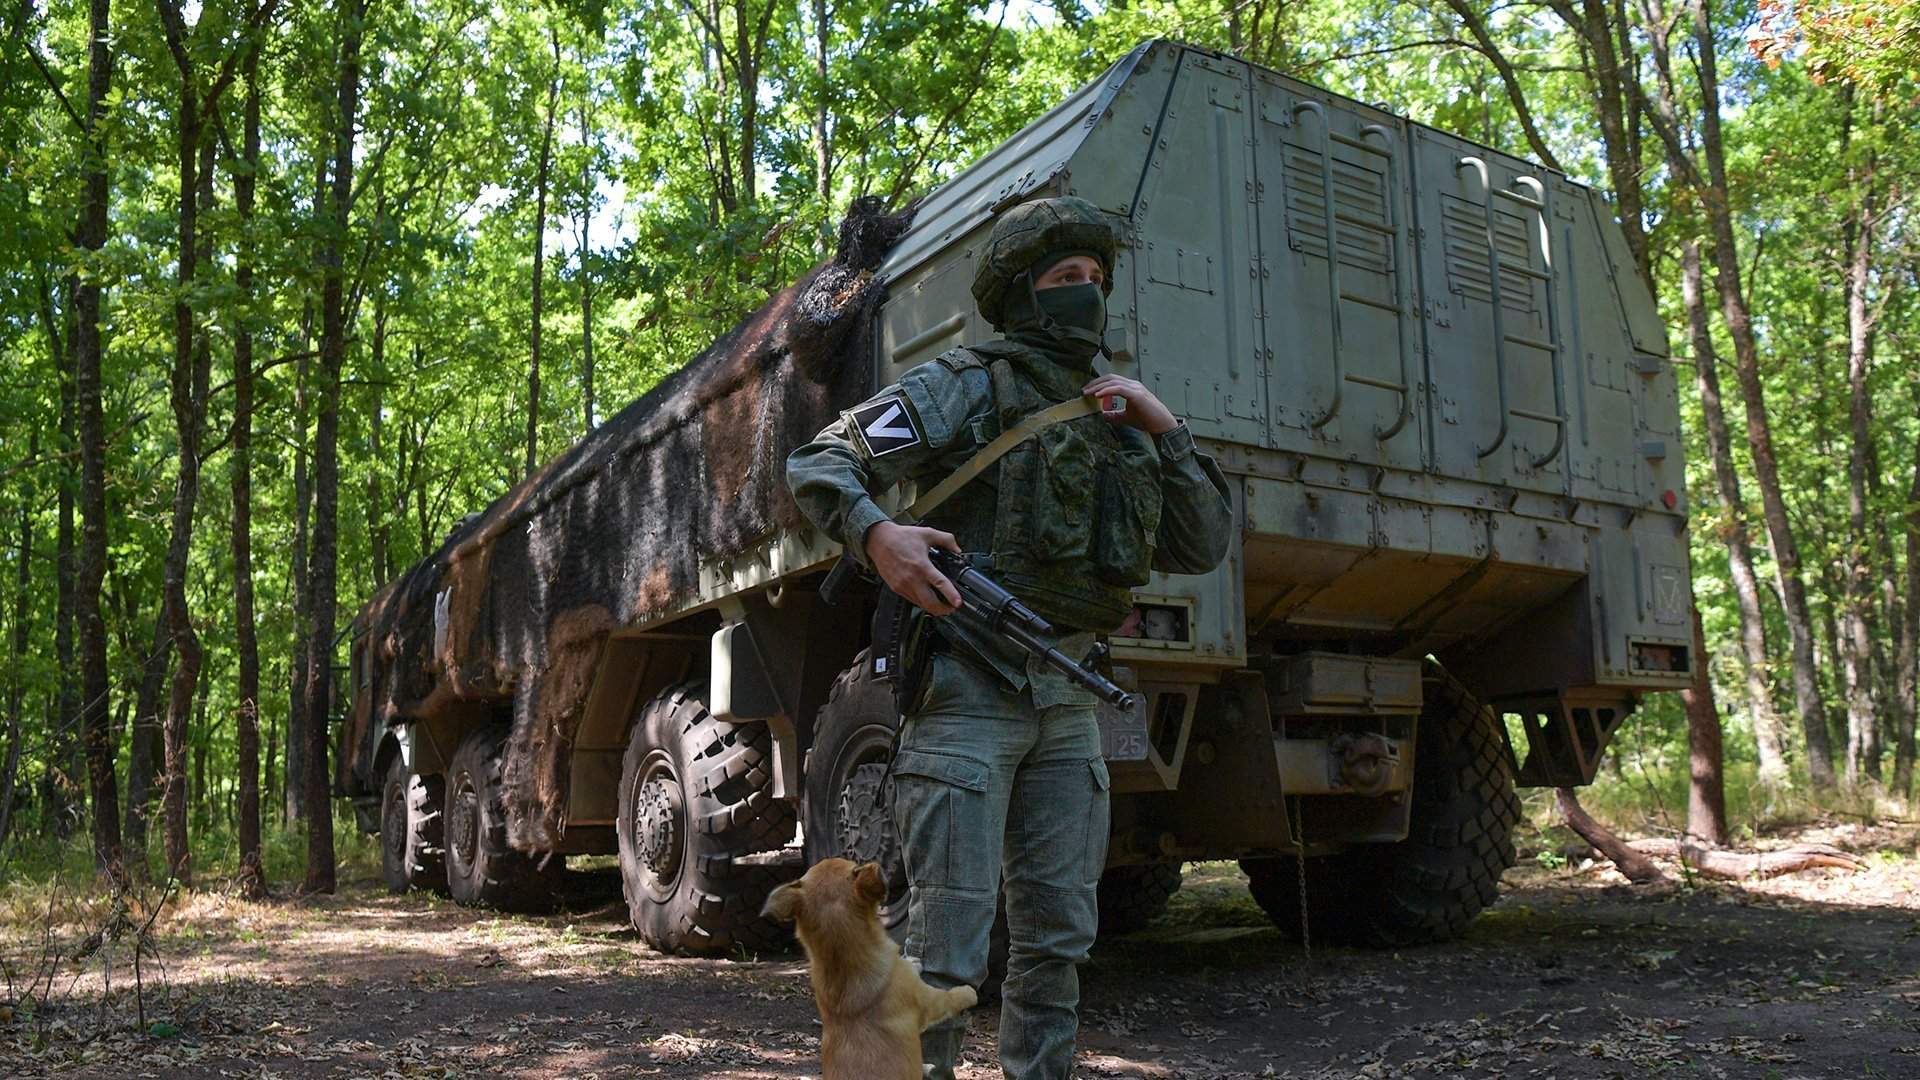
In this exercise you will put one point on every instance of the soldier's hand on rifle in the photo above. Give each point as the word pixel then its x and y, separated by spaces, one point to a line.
pixel 1138 407
pixel 898 554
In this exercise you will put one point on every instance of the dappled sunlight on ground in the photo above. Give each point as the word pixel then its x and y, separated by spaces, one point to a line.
pixel 1571 974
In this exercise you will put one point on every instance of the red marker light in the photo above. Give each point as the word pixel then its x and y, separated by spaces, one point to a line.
pixel 1669 498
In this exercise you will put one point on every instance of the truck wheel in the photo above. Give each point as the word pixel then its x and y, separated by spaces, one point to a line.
pixel 1133 896
pixel 411 830
pixel 695 793
pixel 1430 886
pixel 846 773
pixel 1333 883
pixel 482 869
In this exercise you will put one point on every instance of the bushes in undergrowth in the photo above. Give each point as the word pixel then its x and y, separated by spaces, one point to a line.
pixel 32 863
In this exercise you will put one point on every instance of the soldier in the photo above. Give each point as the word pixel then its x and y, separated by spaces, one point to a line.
pixel 998 769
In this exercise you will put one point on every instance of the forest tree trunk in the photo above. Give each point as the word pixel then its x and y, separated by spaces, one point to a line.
pixel 187 395
pixel 1746 583
pixel 1706 788
pixel 822 147
pixel 252 875
pixel 377 518
pixel 91 236
pixel 540 259
pixel 17 683
pixel 746 69
pixel 1909 668
pixel 1733 308
pixel 586 254
pixel 144 752
pixel 1863 731
pixel 201 741
pixel 302 556
pixel 58 784
pixel 270 749
pixel 302 588
pixel 326 480
pixel 296 772
pixel 1594 22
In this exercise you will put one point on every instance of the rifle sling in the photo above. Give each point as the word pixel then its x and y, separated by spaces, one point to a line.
pixel 997 449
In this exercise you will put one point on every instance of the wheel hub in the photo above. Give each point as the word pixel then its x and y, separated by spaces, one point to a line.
pixel 656 825
pixel 864 826
pixel 463 819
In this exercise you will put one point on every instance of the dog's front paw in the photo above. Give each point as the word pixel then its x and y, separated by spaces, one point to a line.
pixel 961 998
pixel 938 1005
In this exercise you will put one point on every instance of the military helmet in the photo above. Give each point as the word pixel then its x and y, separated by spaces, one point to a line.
pixel 1030 231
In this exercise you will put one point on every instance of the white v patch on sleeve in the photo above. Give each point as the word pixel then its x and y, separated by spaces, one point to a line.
pixel 886 425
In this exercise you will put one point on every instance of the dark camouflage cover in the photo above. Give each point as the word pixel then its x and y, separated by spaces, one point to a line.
pixel 613 532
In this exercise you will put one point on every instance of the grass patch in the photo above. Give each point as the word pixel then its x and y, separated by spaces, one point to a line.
pixel 1642 789
pixel 43 877
pixel 1212 894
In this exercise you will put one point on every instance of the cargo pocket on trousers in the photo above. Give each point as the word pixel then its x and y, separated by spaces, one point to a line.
pixel 1099 821
pixel 941 812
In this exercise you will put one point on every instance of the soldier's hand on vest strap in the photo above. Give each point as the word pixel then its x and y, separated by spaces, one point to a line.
pixel 898 553
pixel 1139 408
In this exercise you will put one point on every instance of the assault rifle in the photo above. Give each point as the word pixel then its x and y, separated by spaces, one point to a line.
pixel 986 609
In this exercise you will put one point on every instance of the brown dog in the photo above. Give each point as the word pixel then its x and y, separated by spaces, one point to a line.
pixel 873 1003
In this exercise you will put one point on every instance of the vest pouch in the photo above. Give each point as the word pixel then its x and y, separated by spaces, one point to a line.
pixel 1129 519
pixel 1060 519
pixel 1049 512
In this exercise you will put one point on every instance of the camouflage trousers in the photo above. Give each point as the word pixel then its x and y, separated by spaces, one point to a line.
pixel 987 786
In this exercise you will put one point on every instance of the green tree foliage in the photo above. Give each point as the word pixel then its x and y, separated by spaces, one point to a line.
pixel 702 152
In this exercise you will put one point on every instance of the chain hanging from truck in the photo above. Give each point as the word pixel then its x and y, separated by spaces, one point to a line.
pixel 1299 829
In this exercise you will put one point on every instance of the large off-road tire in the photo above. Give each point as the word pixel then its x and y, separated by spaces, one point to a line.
pixel 482 869
pixel 695 793
pixel 847 776
pixel 1133 896
pixel 1430 886
pixel 1333 883
pixel 412 830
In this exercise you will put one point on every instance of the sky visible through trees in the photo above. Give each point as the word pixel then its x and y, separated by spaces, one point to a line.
pixel 268 280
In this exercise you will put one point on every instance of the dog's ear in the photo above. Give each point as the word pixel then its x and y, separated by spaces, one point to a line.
pixel 868 884
pixel 783 904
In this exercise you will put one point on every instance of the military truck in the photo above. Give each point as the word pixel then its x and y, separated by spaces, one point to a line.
pixel 1432 375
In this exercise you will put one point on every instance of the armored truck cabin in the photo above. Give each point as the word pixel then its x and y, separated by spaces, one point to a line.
pixel 1443 398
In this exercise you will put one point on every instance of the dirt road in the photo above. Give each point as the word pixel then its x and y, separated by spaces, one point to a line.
pixel 1569 975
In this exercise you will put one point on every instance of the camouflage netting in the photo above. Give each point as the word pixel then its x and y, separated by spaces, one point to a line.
pixel 614 531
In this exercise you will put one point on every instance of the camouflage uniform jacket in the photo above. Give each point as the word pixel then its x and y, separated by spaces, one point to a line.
pixel 937 417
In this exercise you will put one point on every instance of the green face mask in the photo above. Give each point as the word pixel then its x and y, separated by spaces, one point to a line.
pixel 1077 307
pixel 1067 322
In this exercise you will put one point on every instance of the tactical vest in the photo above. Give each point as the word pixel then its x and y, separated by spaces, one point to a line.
pixel 1069 515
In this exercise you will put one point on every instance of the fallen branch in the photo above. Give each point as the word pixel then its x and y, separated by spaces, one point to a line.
pixel 1735 865
pixel 1637 867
